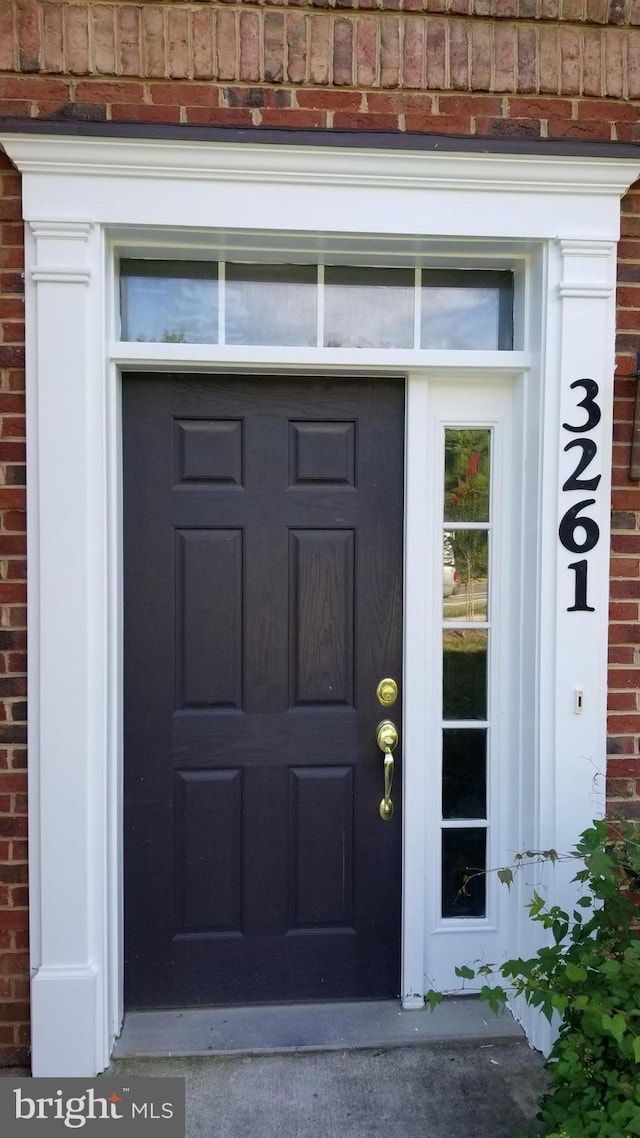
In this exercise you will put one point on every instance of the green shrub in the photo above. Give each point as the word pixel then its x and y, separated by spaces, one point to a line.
pixel 589 973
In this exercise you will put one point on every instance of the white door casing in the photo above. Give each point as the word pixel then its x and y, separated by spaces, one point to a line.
pixel 84 198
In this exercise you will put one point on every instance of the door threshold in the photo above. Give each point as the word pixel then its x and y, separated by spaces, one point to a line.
pixel 274 1028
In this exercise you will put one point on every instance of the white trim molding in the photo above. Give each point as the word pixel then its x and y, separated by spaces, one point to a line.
pixel 195 183
pixel 587 269
pixel 67 776
pixel 55 241
pixel 567 786
pixel 556 216
pixel 188 160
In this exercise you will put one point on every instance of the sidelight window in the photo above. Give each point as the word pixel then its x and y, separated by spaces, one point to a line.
pixel 466 645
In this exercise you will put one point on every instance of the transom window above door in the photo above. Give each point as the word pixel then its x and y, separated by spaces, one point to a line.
pixel 332 306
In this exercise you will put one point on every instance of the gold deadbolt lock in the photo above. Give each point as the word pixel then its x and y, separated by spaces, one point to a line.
pixel 387 692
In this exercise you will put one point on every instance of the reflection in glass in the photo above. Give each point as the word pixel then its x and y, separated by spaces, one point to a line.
pixel 460 318
pixel 464 673
pixel 169 302
pixel 466 475
pixel 464 773
pixel 271 304
pixel 368 308
pixel 466 552
pixel 463 855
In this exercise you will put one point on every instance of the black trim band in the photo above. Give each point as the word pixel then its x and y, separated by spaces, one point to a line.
pixel 360 140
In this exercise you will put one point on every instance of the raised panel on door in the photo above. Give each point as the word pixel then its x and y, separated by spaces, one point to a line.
pixel 321 617
pixel 321 858
pixel 263 603
pixel 209 621
pixel 208 873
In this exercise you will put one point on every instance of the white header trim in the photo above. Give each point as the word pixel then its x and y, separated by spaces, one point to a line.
pixel 322 189
pixel 303 165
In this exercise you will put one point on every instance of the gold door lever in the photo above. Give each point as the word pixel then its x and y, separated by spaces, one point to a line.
pixel 387 739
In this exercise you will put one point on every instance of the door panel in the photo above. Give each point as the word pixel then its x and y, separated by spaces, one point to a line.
pixel 263 567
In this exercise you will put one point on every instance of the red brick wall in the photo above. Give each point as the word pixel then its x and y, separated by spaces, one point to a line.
pixel 623 770
pixel 562 70
pixel 494 68
pixel 14 972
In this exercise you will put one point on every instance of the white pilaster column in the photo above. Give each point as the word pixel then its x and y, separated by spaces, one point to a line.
pixel 67 647
pixel 575 456
pixel 587 365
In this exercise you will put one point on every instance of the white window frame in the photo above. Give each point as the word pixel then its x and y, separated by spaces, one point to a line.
pixel 558 214
pixel 491 404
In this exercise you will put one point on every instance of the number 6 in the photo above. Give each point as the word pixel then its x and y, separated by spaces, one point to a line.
pixel 571 522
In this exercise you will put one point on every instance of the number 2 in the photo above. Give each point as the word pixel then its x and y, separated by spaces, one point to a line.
pixel 589 451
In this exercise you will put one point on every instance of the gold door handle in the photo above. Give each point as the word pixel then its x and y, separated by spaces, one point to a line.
pixel 387 739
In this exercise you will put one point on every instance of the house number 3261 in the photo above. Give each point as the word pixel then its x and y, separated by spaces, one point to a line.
pixel 578 532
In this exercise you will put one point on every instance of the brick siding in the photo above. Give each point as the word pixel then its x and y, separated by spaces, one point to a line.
pixel 14 972
pixel 394 65
pixel 492 68
pixel 623 769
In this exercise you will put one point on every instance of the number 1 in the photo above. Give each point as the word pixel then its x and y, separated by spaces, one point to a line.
pixel 580 594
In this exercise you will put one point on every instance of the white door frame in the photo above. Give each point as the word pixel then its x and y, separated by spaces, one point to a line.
pixel 559 213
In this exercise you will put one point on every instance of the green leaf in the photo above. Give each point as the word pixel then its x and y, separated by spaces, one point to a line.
pixel 636 1049
pixel 432 999
pixel 560 930
pixel 559 1002
pixel 575 972
pixel 506 877
pixel 535 904
pixel 615 1025
pixel 465 973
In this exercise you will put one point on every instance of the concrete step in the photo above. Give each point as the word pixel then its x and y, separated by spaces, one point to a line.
pixel 309 1027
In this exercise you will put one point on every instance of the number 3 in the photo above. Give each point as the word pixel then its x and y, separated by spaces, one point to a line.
pixel 589 405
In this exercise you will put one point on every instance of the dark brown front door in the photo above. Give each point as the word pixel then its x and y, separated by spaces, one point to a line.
pixel 263 603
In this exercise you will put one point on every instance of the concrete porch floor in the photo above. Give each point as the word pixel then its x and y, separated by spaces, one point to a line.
pixel 479 1091
pixel 297 1072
